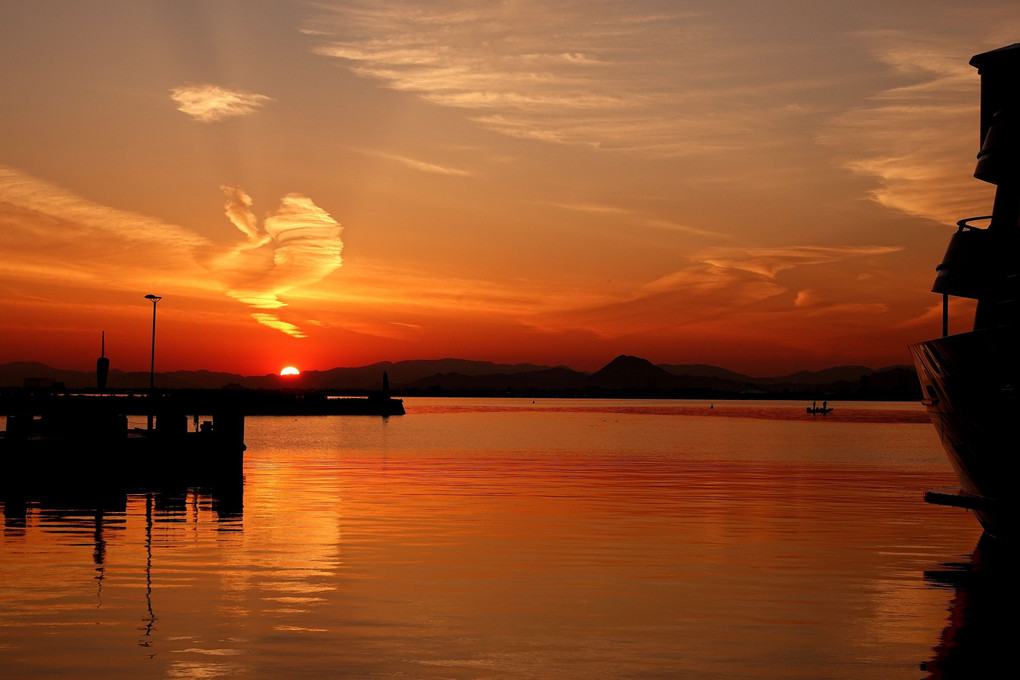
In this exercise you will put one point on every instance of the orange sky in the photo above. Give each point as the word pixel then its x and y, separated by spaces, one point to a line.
pixel 762 186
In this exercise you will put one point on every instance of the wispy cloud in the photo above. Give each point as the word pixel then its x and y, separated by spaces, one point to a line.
pixel 380 285
pixel 276 323
pixel 918 138
pixel 52 237
pixel 210 103
pixel 961 314
pixel 638 218
pixel 768 262
pixel 684 228
pixel 594 208
pixel 728 285
pixel 602 74
pixel 297 245
pixel 422 166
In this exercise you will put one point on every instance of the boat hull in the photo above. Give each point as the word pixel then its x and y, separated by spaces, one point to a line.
pixel 971 388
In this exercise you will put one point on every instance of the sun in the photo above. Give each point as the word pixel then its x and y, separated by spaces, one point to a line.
pixel 290 370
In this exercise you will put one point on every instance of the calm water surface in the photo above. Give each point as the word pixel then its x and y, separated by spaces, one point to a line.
pixel 511 539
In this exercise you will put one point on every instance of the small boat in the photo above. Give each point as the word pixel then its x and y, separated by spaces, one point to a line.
pixel 815 409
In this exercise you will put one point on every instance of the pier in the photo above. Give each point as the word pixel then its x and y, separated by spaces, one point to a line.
pixel 60 439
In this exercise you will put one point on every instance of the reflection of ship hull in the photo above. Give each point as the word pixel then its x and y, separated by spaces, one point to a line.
pixel 978 640
pixel 969 383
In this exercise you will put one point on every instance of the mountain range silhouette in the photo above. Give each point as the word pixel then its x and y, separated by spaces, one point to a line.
pixel 623 376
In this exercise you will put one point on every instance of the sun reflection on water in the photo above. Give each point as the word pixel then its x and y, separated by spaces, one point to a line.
pixel 543 543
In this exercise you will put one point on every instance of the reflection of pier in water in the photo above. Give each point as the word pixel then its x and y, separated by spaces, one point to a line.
pixel 979 639
pixel 104 514
pixel 105 506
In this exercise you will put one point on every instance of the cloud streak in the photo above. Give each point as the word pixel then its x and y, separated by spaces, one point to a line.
pixel 728 285
pixel 655 223
pixel 918 139
pixel 768 262
pixel 422 166
pixel 210 103
pixel 296 246
pixel 49 234
pixel 618 77
pixel 52 237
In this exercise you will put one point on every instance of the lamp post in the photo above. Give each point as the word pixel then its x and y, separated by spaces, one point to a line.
pixel 152 358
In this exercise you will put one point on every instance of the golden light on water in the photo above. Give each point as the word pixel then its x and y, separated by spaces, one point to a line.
pixel 290 370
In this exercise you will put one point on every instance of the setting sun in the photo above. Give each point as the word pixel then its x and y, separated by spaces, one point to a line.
pixel 290 370
pixel 669 232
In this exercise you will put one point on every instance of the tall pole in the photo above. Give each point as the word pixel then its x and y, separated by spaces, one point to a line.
pixel 945 314
pixel 152 357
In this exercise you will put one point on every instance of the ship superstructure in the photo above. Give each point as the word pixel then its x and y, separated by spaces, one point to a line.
pixel 971 381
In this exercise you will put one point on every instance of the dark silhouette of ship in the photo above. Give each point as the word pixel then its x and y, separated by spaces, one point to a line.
pixel 970 380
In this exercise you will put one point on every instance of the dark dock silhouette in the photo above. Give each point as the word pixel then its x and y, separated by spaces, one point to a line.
pixel 59 439
pixel 67 438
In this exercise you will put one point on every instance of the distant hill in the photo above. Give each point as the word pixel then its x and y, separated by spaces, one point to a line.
pixel 21 373
pixel 633 373
pixel 357 378
pixel 705 371
pixel 407 372
pixel 626 376
pixel 828 375
pixel 546 380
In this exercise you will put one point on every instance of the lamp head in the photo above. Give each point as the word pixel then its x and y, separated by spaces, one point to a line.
pixel 153 298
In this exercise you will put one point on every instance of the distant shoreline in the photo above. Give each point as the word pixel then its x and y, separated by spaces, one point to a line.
pixel 624 377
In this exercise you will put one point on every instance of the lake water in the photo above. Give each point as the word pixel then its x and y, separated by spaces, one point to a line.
pixel 512 539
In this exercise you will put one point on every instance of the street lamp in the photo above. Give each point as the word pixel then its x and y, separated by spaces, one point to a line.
pixel 152 358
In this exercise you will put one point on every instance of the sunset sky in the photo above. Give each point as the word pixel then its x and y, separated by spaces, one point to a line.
pixel 764 186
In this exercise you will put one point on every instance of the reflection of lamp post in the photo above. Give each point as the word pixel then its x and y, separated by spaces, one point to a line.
pixel 152 359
